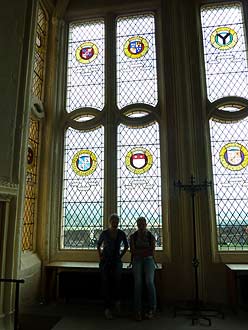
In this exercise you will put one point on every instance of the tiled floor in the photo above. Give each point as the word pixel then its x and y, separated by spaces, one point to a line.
pixel 81 316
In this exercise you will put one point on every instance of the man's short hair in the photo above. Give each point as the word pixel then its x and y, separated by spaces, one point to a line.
pixel 114 216
pixel 140 219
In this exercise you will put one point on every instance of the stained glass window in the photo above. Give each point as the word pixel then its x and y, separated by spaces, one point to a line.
pixel 40 53
pixel 31 190
pixel 85 73
pixel 225 50
pixel 136 79
pixel 229 145
pixel 226 66
pixel 139 178
pixel 82 218
pixel 136 61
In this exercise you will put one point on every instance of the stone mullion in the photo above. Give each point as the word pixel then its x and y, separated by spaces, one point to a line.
pixel 110 136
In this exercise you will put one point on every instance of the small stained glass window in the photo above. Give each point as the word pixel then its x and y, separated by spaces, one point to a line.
pixel 229 145
pixel 225 50
pixel 139 179
pixel 82 217
pixel 31 189
pixel 136 60
pixel 40 53
pixel 85 72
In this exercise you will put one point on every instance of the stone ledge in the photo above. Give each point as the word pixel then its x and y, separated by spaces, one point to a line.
pixel 7 189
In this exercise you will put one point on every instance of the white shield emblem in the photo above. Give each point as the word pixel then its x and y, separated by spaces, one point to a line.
pixel 84 162
pixel 234 156
pixel 138 160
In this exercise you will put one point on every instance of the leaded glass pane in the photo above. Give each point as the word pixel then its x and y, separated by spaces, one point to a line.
pixel 229 145
pixel 85 72
pixel 139 179
pixel 40 53
pixel 225 51
pixel 136 60
pixel 31 187
pixel 82 217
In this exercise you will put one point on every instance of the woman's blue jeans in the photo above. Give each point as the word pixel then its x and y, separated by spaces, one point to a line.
pixel 144 268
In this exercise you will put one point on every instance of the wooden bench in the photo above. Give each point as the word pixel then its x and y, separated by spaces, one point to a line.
pixel 63 277
pixel 234 272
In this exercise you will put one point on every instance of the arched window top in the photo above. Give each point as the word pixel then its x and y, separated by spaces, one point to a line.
pixel 228 109
pixel 225 50
pixel 85 67
pixel 136 61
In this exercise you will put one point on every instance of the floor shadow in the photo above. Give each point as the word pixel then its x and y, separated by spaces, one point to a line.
pixel 37 322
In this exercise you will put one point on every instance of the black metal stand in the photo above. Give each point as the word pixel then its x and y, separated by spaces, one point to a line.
pixel 196 310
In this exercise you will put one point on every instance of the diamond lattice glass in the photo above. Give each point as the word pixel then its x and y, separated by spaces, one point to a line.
pixel 82 216
pixel 225 51
pixel 85 72
pixel 136 61
pixel 229 145
pixel 40 53
pixel 139 179
pixel 31 187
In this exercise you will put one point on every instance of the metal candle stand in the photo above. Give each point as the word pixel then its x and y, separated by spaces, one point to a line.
pixel 197 310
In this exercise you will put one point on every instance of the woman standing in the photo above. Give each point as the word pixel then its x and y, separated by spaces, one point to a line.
pixel 110 254
pixel 142 246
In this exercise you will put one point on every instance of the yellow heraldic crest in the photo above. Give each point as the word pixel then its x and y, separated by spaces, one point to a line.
pixel 234 156
pixel 138 160
pixel 136 47
pixel 224 38
pixel 84 162
pixel 86 52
